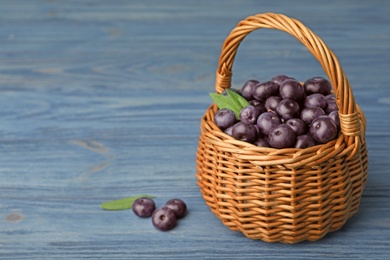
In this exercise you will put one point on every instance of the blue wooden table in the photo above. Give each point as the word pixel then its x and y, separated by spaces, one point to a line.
pixel 101 100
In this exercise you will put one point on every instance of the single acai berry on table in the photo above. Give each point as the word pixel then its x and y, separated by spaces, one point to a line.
pixel 164 219
pixel 178 206
pixel 224 118
pixel 143 207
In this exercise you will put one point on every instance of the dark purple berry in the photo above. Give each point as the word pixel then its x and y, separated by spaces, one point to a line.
pixel 308 114
pixel 178 206
pixel 287 109
pixel 262 142
pixel 315 100
pixel 278 79
pixel 335 116
pixel 229 130
pixel 317 85
pixel 304 141
pixel 260 106
pixel 272 103
pixel 244 132
pixel 282 136
pixel 249 115
pixel 331 103
pixel 292 89
pixel 224 118
pixel 298 125
pixel 247 89
pixel 323 129
pixel 267 121
pixel 143 207
pixel 264 90
pixel 164 219
pixel 258 131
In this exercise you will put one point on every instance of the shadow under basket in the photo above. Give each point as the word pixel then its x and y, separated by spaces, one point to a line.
pixel 283 195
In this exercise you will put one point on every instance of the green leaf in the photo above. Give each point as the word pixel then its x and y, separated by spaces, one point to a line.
pixel 122 204
pixel 237 98
pixel 226 102
pixel 232 101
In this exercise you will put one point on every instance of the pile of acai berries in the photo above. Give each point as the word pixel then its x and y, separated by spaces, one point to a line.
pixel 280 113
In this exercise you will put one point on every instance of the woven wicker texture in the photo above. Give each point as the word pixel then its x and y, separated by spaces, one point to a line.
pixel 283 195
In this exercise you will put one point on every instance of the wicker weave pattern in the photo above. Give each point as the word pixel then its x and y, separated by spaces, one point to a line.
pixel 283 195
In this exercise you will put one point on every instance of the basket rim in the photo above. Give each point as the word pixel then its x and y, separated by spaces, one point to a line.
pixel 262 156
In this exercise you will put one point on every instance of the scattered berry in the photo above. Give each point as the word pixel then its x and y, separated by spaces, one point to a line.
pixel 164 219
pixel 178 206
pixel 143 207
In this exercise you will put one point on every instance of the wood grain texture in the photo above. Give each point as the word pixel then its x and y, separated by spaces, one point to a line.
pixel 101 100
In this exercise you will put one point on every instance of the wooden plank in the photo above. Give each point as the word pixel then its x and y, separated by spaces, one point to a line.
pixel 102 99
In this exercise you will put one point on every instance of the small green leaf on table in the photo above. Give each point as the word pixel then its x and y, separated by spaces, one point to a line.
pixel 122 204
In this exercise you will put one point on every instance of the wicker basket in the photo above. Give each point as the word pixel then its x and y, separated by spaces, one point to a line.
pixel 283 195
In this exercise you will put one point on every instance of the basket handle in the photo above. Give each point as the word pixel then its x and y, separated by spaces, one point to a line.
pixel 348 112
